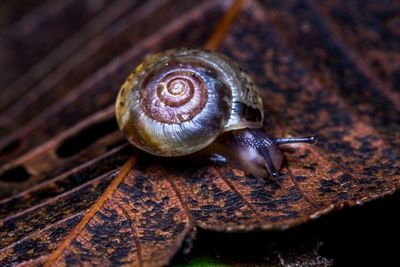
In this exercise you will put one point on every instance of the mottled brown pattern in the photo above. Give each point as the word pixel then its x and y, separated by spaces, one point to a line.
pixel 19 224
pixel 141 223
pixel 210 199
pixel 39 242
pixel 370 29
pixel 321 68
pixel 335 65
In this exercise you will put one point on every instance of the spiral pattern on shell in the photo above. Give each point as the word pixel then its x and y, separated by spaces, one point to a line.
pixel 174 94
pixel 174 103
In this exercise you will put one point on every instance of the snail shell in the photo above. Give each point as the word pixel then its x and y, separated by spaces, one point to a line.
pixel 179 101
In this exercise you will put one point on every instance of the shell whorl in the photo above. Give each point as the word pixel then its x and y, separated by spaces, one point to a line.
pixel 174 94
pixel 175 103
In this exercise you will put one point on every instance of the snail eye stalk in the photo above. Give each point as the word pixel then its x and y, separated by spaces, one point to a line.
pixel 292 140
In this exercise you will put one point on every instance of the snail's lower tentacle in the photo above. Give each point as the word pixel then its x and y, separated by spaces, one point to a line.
pixel 251 150
pixel 268 150
pixel 269 164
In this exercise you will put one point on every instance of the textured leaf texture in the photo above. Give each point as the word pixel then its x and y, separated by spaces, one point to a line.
pixel 74 192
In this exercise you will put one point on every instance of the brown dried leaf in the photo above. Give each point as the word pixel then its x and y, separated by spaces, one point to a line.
pixel 65 199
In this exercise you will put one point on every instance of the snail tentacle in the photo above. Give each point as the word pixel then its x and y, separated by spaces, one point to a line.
pixel 290 140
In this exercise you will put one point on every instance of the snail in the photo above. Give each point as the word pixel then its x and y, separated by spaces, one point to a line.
pixel 182 101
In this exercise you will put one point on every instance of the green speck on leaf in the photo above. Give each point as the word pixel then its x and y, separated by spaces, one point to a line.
pixel 203 262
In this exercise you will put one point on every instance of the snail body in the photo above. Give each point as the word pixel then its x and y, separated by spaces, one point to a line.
pixel 181 101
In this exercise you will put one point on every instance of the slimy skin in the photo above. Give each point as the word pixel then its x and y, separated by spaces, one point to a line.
pixel 253 151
